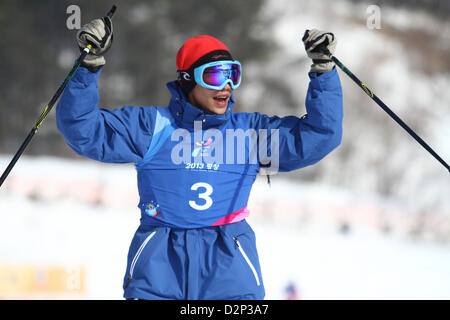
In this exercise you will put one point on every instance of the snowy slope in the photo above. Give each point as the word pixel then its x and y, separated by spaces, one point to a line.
pixel 375 222
pixel 306 248
pixel 405 63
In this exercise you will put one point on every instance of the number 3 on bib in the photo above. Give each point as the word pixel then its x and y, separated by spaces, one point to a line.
pixel 203 195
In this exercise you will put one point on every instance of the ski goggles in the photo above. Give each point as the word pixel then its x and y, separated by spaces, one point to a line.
pixel 215 75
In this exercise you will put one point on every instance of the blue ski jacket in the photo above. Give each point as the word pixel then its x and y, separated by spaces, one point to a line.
pixel 196 169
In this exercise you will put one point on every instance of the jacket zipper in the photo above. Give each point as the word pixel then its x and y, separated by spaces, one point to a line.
pixel 136 257
pixel 247 260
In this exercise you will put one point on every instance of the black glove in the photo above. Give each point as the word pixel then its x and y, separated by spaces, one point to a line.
pixel 316 42
pixel 99 34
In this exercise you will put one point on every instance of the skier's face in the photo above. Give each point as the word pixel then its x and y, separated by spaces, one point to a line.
pixel 213 101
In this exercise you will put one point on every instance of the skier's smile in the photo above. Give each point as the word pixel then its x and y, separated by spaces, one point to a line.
pixel 212 101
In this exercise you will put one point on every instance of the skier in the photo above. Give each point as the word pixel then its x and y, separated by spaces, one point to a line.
pixel 193 241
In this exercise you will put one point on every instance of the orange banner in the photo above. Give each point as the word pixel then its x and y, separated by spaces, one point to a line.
pixel 32 280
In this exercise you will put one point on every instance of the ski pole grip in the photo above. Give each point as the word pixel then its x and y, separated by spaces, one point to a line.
pixel 111 11
pixel 326 51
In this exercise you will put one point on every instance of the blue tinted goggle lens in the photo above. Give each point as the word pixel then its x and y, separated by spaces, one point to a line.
pixel 218 75
pixel 215 75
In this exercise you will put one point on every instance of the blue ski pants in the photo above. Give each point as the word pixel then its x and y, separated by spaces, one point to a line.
pixel 210 263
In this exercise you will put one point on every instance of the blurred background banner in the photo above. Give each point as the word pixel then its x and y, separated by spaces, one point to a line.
pixel 38 282
pixel 371 220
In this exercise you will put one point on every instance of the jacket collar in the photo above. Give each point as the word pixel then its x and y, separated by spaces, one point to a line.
pixel 185 113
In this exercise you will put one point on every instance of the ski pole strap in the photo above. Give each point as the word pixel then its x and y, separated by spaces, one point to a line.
pixel 387 109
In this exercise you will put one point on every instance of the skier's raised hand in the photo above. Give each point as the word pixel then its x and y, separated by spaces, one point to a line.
pixel 316 42
pixel 99 34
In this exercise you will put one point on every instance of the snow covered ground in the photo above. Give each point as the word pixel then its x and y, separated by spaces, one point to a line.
pixel 65 225
pixel 310 249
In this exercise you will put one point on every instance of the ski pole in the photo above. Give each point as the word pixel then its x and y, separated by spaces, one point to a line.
pixel 49 106
pixel 386 108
